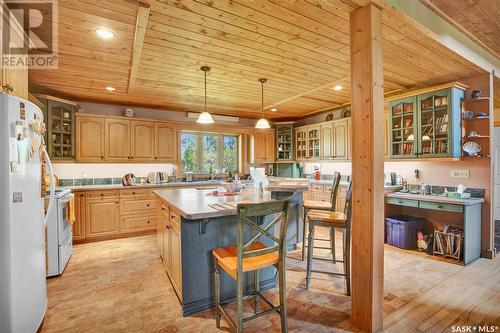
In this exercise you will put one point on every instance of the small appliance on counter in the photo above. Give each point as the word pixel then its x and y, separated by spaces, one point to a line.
pixel 155 177
pixel 128 179
pixel 189 176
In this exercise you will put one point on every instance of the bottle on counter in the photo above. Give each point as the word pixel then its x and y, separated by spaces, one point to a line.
pixel 261 190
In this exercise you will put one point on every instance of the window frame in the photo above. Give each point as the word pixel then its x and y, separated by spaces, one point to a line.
pixel 219 137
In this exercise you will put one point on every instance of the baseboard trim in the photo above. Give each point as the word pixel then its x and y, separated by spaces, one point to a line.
pixel 488 254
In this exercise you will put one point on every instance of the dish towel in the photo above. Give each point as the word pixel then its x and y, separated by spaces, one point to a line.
pixel 71 209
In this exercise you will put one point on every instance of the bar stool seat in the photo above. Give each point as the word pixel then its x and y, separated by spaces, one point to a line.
pixel 313 204
pixel 227 258
pixel 327 216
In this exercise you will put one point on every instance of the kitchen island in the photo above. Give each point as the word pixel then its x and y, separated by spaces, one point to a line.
pixel 193 222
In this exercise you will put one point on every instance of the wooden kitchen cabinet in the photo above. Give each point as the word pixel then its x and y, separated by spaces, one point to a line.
pixel 176 266
pixel 13 80
pixel 264 146
pixel 117 140
pixel 79 224
pixel 102 217
pixel 327 139
pixel 341 139
pixel 142 141
pixel 165 140
pixel 89 139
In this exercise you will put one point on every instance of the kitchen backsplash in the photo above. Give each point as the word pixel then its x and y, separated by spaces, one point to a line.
pixel 105 171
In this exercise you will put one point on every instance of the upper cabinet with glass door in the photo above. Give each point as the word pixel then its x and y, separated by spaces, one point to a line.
pixel 60 121
pixel 403 122
pixel 313 142
pixel 427 125
pixel 285 150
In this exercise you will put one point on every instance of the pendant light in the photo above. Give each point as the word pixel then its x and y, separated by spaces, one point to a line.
pixel 205 117
pixel 262 122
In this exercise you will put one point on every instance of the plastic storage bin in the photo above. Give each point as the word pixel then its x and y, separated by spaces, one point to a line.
pixel 401 231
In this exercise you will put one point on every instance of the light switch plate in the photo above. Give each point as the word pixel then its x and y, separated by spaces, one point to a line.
pixel 459 173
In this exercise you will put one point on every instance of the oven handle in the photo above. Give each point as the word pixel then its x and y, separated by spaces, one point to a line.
pixel 52 187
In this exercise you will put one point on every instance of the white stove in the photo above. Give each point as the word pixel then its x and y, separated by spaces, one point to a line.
pixel 59 234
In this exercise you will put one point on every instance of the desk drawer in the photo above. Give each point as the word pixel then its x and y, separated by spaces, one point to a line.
pixel 402 202
pixel 442 206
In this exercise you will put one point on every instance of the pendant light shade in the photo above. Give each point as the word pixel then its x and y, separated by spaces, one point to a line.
pixel 205 117
pixel 262 123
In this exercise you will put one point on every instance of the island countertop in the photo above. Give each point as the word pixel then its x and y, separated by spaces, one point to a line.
pixel 195 204
pixel 436 199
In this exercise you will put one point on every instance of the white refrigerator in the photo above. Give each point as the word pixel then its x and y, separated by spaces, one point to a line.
pixel 23 288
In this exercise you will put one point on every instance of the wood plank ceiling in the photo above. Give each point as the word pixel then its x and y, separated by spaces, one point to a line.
pixel 478 19
pixel 300 46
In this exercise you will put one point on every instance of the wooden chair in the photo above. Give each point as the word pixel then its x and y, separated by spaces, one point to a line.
pixel 322 205
pixel 253 255
pixel 337 220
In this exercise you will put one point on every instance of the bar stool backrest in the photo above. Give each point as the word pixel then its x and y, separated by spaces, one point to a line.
pixel 335 190
pixel 261 210
pixel 348 203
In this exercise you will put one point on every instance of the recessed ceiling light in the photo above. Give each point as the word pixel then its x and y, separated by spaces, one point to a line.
pixel 337 87
pixel 274 109
pixel 109 88
pixel 104 33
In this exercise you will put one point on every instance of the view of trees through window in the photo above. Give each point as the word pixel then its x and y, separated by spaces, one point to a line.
pixel 208 153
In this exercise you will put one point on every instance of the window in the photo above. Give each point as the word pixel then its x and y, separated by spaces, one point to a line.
pixel 208 152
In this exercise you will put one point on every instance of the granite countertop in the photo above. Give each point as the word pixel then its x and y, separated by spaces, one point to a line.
pixel 146 185
pixel 195 204
pixel 436 198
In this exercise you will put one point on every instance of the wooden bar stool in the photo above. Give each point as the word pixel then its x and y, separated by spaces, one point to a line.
pixel 322 205
pixel 337 220
pixel 253 255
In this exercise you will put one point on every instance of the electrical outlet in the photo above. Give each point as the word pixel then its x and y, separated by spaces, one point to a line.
pixel 84 174
pixel 459 173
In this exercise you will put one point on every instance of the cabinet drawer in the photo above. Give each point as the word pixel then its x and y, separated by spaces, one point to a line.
pixel 164 211
pixel 317 188
pixel 402 202
pixel 327 189
pixel 132 205
pixel 134 192
pixel 102 194
pixel 137 222
pixel 175 219
pixel 442 206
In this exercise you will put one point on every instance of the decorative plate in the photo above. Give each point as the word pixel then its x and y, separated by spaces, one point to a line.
pixel 468 114
pixel 472 148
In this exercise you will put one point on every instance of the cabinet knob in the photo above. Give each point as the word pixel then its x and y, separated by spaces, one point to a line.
pixel 149 222
pixel 102 194
pixel 147 205
pixel 102 157
pixel 156 157
pixel 116 202
pixel 133 193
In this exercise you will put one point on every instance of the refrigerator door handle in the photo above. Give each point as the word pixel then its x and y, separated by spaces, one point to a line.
pixel 52 186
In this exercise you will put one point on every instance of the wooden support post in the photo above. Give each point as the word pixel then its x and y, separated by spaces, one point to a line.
pixel 367 168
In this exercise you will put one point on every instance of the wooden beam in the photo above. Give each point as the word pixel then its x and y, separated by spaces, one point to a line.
pixel 362 3
pixel 140 31
pixel 367 168
pixel 291 98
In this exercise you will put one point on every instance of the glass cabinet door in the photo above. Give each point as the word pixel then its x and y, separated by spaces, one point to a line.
pixel 301 142
pixel 313 148
pixel 284 142
pixel 403 128
pixel 434 124
pixel 61 130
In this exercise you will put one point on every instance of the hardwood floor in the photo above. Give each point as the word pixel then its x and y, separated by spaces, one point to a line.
pixel 120 286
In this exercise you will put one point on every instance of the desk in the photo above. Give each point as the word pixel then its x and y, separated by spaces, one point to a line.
pixel 469 208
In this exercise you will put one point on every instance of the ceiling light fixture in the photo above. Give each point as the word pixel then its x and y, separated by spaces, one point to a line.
pixel 274 109
pixel 262 122
pixel 110 88
pixel 205 117
pixel 104 33
pixel 337 87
